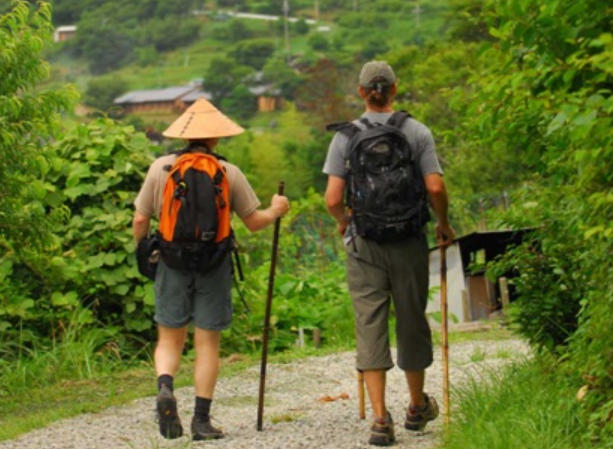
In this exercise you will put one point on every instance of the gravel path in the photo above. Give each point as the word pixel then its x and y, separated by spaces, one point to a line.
pixel 295 416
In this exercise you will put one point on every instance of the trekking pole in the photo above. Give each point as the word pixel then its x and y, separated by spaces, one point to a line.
pixel 361 394
pixel 271 284
pixel 445 327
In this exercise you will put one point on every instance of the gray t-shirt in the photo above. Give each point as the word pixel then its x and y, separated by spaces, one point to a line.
pixel 419 137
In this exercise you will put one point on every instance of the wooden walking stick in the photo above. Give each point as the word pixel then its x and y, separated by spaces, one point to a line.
pixel 361 395
pixel 271 284
pixel 445 328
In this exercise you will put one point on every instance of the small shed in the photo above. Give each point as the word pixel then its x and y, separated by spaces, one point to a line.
pixel 64 33
pixel 269 98
pixel 471 296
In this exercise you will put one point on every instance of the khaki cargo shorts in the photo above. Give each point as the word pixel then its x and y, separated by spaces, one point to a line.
pixel 379 274
pixel 182 296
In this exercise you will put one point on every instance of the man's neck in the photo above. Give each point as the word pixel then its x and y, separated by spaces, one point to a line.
pixel 382 109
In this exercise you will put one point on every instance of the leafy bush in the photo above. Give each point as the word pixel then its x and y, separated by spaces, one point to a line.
pixel 301 27
pixel 319 42
pixel 241 103
pixel 29 117
pixel 253 53
pixel 102 91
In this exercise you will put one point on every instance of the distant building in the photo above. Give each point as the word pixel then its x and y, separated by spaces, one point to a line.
pixel 174 100
pixel 269 99
pixel 168 100
pixel 64 33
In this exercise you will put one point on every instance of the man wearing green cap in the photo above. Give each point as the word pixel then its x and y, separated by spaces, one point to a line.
pixel 387 251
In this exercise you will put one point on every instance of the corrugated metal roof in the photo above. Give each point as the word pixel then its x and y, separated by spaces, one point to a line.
pixel 265 90
pixel 154 95
pixel 66 28
pixel 193 96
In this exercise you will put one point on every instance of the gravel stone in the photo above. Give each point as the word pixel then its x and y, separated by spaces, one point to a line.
pixel 294 417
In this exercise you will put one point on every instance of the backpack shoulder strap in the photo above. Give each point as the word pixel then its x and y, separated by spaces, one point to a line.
pixel 346 128
pixel 219 157
pixel 398 118
pixel 364 121
pixel 180 152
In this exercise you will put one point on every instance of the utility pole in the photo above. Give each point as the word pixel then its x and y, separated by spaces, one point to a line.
pixel 316 8
pixel 417 14
pixel 355 5
pixel 286 27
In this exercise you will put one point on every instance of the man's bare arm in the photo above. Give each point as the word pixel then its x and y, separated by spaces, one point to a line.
pixel 435 185
pixel 335 203
pixel 261 218
pixel 140 226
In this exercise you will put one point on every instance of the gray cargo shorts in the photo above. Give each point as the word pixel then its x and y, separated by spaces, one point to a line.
pixel 183 296
pixel 379 274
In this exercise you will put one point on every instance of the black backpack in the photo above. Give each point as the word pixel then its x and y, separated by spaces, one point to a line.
pixel 385 187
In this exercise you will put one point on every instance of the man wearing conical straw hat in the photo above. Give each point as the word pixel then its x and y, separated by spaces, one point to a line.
pixel 183 296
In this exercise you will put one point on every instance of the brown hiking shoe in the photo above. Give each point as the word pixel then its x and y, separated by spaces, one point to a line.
pixel 168 417
pixel 418 417
pixel 382 432
pixel 204 430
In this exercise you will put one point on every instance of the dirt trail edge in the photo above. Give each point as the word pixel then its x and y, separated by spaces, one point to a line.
pixel 299 412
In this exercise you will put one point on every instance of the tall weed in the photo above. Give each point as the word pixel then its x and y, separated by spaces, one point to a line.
pixel 521 406
pixel 80 352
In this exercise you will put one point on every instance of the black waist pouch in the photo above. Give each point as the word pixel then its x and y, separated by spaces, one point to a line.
pixel 148 255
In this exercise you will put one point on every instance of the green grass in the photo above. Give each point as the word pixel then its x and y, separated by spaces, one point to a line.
pixel 526 405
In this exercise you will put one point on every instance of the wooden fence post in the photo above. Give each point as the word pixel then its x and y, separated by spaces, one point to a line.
pixel 504 292
pixel 466 306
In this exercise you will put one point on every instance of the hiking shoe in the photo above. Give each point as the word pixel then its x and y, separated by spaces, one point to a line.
pixel 204 430
pixel 168 417
pixel 418 417
pixel 382 432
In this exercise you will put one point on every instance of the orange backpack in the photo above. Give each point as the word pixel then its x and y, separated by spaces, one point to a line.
pixel 195 218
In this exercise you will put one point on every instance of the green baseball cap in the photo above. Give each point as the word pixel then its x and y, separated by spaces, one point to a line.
pixel 376 69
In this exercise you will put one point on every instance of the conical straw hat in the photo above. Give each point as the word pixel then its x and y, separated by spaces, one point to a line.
pixel 202 120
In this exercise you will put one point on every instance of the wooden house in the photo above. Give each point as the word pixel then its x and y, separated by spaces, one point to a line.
pixel 174 100
pixel 168 100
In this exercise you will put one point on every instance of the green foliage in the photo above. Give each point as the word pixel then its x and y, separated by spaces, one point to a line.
pixel 170 32
pixel 542 102
pixel 522 405
pixel 98 169
pixel 223 76
pixel 109 34
pixel 310 286
pixel 28 120
pixel 102 91
pixel 80 352
pixel 240 103
pixel 253 53
pixel 277 72
pixel 301 27
pixel 103 168
pixel 319 42
pixel 235 31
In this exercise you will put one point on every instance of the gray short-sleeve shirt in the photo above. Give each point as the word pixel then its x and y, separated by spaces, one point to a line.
pixel 419 137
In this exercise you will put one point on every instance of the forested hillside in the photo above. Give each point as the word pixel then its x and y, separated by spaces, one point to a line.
pixel 518 94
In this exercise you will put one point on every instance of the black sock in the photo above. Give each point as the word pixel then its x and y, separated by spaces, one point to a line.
pixel 167 380
pixel 203 408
